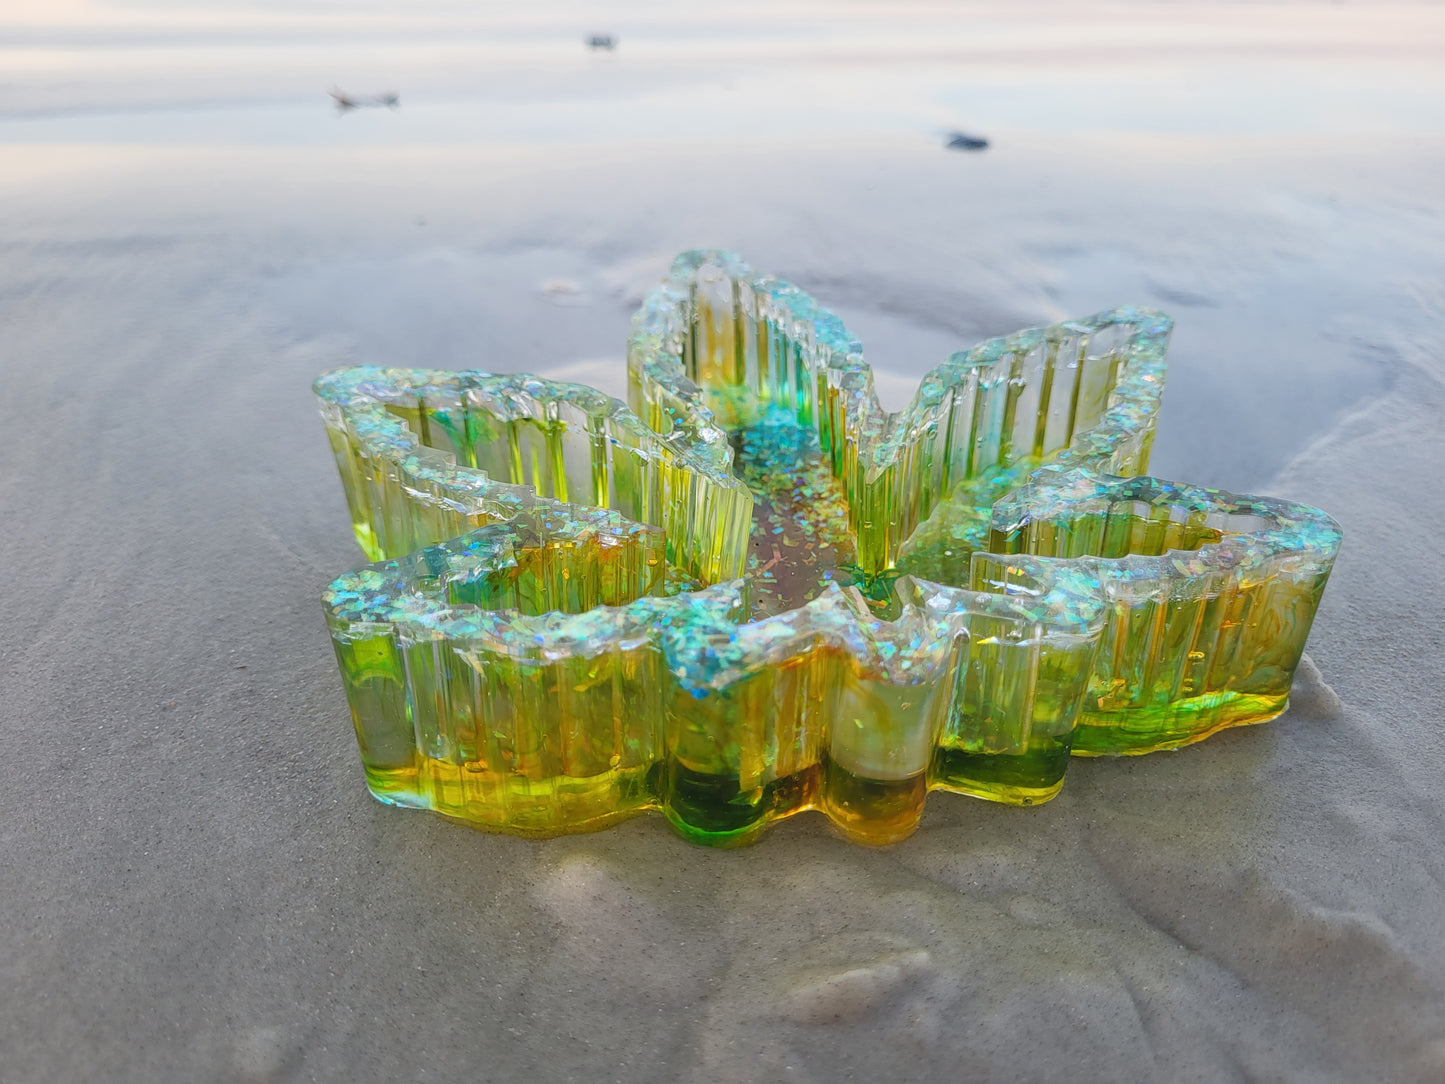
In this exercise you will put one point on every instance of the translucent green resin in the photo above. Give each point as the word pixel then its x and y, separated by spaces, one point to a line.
pixel 1210 598
pixel 761 593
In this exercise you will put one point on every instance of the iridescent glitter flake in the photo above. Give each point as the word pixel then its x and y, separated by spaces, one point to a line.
pixel 756 592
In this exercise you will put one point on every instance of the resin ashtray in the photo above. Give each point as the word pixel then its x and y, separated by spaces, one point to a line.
pixel 756 592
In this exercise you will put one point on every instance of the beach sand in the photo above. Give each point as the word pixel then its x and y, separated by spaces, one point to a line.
pixel 196 884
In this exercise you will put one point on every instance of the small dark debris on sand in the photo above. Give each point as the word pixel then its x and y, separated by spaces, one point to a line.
pixel 346 102
pixel 601 41
pixel 962 141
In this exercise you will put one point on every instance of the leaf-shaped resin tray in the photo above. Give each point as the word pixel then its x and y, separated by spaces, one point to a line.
pixel 765 594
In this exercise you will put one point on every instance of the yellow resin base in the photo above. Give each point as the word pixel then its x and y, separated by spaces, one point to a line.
pixel 1122 733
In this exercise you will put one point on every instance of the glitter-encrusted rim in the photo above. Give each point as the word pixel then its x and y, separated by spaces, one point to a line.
pixel 1209 597
pixel 978 424
pixel 404 494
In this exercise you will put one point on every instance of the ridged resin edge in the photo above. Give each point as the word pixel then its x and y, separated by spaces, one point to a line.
pixel 1210 598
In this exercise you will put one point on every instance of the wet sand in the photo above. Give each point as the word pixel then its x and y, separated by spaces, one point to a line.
pixel 197 885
